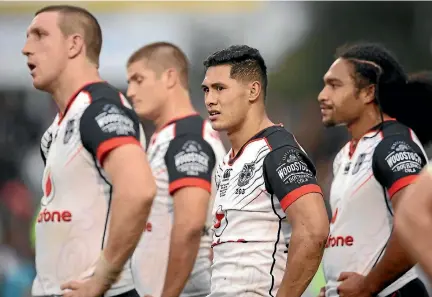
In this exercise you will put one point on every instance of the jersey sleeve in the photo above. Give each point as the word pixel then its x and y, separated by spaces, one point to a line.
pixel 289 174
pixel 396 162
pixel 190 161
pixel 105 125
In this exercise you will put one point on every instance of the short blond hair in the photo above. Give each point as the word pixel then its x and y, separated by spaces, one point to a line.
pixel 161 56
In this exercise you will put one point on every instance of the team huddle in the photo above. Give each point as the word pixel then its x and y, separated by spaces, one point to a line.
pixel 181 216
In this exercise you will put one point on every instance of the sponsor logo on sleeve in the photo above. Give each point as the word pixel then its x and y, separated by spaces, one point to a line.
pixel 293 169
pixel 113 120
pixel 402 158
pixel 192 160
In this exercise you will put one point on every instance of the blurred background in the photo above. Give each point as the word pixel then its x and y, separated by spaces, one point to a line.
pixel 297 40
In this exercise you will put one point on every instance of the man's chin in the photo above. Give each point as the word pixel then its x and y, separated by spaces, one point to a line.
pixel 145 114
pixel 40 85
pixel 217 126
pixel 328 123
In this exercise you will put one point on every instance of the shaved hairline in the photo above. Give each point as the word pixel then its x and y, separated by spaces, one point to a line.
pixel 162 56
pixel 75 19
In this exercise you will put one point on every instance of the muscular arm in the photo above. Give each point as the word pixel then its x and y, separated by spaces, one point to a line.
pixel 132 197
pixel 310 228
pixel 190 210
pixel 302 200
pixel 111 133
pixel 413 219
pixel 190 185
pixel 395 172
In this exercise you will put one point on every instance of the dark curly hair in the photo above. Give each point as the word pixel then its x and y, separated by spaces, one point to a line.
pixel 408 98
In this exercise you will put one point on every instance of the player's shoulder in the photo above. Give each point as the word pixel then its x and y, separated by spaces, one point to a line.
pixel 394 133
pixel 277 137
pixel 394 128
pixel 189 125
pixel 106 101
pixel 192 129
pixel 103 91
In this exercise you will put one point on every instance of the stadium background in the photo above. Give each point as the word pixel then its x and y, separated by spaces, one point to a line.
pixel 297 39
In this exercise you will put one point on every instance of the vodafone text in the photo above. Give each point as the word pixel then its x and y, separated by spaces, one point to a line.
pixel 55 216
pixel 335 241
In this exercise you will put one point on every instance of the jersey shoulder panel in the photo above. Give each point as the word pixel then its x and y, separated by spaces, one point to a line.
pixel 103 90
pixel 398 158
pixel 108 121
pixel 278 136
pixel 391 128
pixel 189 125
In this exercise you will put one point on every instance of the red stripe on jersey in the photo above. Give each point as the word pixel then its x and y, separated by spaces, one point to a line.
pixel 401 183
pixel 189 182
pixel 292 196
pixel 362 184
pixel 110 144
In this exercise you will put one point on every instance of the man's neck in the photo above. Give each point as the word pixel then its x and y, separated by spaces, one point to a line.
pixel 364 124
pixel 67 85
pixel 247 130
pixel 177 107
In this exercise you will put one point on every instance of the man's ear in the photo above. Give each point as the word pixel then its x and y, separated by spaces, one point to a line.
pixel 254 91
pixel 367 94
pixel 75 45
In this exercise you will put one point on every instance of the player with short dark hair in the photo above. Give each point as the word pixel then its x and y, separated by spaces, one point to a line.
pixel 98 186
pixel 182 153
pixel 270 221
pixel 367 90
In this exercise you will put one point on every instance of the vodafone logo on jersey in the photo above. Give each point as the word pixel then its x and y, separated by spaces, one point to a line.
pixel 48 188
pixel 339 241
pixel 54 216
pixel 46 215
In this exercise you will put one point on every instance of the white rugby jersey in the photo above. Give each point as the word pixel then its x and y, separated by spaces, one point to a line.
pixel 181 154
pixel 383 162
pixel 251 233
pixel 72 224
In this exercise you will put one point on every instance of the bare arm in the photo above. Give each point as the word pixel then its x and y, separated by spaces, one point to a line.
pixel 111 133
pixel 190 210
pixel 395 261
pixel 310 227
pixel 301 199
pixel 133 191
pixel 413 221
pixel 190 187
